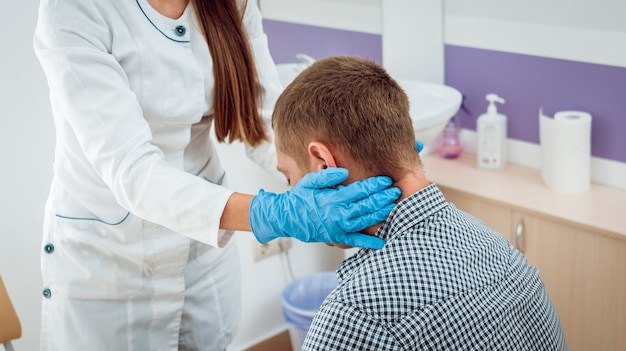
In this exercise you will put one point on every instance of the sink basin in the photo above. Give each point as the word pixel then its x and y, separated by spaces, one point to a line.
pixel 289 71
pixel 431 105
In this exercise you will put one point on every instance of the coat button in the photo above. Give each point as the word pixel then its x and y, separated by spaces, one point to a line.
pixel 180 30
pixel 47 293
pixel 49 248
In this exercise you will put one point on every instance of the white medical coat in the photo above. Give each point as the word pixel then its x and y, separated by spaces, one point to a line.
pixel 136 198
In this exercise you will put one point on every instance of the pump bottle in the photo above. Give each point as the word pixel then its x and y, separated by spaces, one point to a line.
pixel 492 132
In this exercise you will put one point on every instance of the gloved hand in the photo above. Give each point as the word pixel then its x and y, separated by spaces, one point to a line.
pixel 420 145
pixel 312 211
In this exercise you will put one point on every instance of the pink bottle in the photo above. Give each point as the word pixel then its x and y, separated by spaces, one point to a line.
pixel 448 142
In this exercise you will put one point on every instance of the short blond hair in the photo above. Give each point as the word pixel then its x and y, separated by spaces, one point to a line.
pixel 354 104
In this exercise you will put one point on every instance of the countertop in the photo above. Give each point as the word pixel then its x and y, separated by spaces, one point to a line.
pixel 601 209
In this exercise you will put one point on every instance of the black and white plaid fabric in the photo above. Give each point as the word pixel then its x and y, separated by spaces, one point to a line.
pixel 443 281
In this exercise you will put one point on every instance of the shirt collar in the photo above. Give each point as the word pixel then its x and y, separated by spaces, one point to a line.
pixel 411 211
pixel 407 213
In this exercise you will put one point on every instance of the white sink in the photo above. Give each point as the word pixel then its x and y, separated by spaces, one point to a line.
pixel 289 71
pixel 431 105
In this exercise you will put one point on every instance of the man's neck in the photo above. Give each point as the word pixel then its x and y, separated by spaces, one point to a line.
pixel 409 184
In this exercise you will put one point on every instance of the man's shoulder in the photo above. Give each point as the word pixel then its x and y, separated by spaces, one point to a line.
pixel 420 266
pixel 380 292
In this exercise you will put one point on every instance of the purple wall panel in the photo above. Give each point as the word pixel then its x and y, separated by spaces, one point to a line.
pixel 288 39
pixel 531 82
pixel 526 82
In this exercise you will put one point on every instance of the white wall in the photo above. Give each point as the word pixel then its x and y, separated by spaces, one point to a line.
pixel 365 16
pixel 26 149
pixel 604 15
pixel 26 152
pixel 354 15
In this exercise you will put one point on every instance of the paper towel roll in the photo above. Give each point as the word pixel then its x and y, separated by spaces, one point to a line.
pixel 566 151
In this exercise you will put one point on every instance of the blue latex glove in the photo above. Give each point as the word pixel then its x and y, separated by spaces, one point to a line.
pixel 312 211
pixel 420 145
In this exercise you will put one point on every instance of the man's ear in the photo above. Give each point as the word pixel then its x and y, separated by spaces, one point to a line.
pixel 320 156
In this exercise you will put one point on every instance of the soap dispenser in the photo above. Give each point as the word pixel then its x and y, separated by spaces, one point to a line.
pixel 491 128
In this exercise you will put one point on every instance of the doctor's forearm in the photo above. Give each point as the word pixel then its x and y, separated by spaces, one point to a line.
pixel 236 215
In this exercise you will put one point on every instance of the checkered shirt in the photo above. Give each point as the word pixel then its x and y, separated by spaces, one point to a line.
pixel 443 281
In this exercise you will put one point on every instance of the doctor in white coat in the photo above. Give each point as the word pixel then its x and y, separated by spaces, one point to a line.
pixel 136 252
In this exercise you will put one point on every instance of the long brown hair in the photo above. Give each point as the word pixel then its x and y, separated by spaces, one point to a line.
pixel 237 90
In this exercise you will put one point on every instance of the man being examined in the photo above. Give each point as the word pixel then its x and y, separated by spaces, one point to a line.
pixel 444 280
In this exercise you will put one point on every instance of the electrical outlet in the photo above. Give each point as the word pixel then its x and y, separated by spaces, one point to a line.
pixel 276 246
